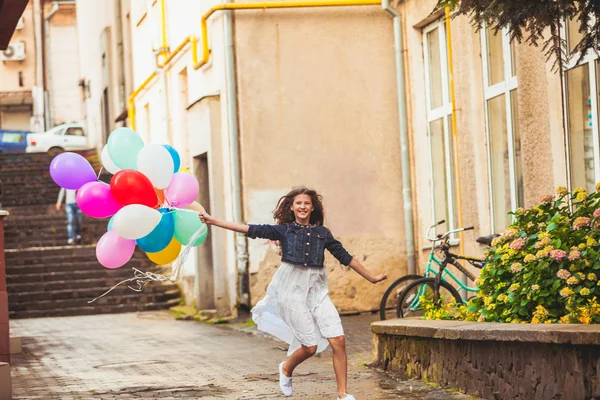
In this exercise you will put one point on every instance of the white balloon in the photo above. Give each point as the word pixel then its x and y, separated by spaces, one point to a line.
pixel 135 221
pixel 107 162
pixel 156 163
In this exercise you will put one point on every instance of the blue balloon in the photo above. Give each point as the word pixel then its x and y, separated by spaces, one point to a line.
pixel 161 235
pixel 174 156
pixel 111 222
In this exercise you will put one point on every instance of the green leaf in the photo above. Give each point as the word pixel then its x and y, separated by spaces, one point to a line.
pixel 524 302
pixel 553 226
pixel 556 284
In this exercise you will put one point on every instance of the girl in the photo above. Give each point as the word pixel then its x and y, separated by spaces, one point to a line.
pixel 297 307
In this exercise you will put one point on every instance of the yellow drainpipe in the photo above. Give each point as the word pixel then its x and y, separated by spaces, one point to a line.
pixel 454 134
pixel 168 56
pixel 164 47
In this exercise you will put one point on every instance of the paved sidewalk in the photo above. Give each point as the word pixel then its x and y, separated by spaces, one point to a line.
pixel 151 356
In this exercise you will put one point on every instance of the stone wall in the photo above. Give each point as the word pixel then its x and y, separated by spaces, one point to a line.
pixel 494 361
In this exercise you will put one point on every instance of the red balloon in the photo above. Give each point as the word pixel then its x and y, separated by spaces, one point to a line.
pixel 132 187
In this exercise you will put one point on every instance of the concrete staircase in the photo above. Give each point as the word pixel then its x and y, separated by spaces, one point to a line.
pixel 45 276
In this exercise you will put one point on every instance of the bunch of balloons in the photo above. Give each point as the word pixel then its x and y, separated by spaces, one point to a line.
pixel 146 198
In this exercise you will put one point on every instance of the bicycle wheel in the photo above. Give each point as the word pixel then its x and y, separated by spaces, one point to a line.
pixel 441 293
pixel 389 301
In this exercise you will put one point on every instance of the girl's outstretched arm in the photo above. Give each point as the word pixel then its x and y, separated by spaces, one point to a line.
pixel 362 271
pixel 232 226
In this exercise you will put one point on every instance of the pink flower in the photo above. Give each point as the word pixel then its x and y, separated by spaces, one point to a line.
pixel 580 222
pixel 558 254
pixel 597 213
pixel 547 199
pixel 517 244
pixel 563 274
pixel 574 255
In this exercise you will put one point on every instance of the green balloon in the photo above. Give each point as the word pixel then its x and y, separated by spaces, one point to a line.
pixel 187 223
pixel 124 144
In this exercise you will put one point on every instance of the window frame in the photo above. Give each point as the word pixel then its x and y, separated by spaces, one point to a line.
pixel 591 59
pixel 505 87
pixel 443 112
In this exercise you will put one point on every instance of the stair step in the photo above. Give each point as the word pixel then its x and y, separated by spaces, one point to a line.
pixel 108 300
pixel 87 294
pixel 101 285
pixel 94 309
pixel 67 265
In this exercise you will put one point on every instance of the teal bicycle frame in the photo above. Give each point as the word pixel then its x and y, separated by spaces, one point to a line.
pixel 429 271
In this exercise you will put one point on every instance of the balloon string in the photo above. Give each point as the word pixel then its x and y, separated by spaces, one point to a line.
pixel 142 278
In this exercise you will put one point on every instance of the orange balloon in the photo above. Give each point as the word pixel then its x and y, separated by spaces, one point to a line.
pixel 160 194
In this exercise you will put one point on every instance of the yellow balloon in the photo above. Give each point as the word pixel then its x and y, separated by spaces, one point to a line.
pixel 166 255
pixel 182 169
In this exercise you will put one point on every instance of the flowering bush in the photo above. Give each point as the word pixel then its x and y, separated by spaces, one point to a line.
pixel 544 269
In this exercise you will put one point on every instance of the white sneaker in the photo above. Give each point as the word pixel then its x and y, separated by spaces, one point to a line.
pixel 347 397
pixel 285 382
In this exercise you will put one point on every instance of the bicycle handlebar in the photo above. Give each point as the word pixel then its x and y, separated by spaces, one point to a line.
pixel 442 237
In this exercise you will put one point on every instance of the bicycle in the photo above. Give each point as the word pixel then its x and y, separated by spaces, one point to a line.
pixel 388 307
pixel 437 289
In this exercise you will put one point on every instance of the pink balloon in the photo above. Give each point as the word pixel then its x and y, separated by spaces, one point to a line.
pixel 183 190
pixel 112 251
pixel 95 200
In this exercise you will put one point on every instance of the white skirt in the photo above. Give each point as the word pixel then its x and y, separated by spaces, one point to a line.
pixel 297 308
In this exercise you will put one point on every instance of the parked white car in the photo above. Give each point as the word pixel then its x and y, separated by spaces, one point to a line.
pixel 64 137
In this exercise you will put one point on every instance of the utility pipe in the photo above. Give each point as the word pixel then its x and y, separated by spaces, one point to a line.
pixel 50 81
pixel 404 144
pixel 241 242
pixel 461 243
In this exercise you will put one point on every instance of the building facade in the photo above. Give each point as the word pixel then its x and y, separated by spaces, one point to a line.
pixel 39 71
pixel 260 100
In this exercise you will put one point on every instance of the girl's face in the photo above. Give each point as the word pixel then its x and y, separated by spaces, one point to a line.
pixel 302 206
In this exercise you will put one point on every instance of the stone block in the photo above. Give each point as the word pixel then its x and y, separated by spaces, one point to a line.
pixel 5 383
pixel 16 345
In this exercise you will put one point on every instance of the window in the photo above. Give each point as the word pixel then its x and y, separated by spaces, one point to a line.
pixel 581 111
pixel 439 126
pixel 75 132
pixel 13 137
pixel 504 141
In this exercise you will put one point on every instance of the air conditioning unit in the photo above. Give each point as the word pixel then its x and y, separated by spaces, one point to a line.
pixel 14 52
pixel 21 23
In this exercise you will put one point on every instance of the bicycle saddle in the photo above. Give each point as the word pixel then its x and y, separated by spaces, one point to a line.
pixel 487 240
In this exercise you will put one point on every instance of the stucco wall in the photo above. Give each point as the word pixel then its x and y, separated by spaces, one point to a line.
pixel 9 70
pixel 318 107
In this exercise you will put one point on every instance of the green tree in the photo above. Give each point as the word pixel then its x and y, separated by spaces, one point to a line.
pixel 538 22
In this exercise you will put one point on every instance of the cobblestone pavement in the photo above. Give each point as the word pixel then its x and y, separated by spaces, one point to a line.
pixel 152 356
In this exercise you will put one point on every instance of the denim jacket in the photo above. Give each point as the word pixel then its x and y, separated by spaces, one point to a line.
pixel 302 245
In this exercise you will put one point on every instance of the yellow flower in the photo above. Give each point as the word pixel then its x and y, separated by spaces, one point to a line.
pixel 564 319
pixel 590 241
pixel 548 321
pixel 514 287
pixel 598 187
pixel 584 292
pixel 592 277
pixel 572 281
pixel 566 292
pixel 561 190
pixel 582 246
pixel 529 258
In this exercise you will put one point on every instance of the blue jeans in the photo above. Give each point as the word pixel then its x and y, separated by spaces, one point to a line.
pixel 74 217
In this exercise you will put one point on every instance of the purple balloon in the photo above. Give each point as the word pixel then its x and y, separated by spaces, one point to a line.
pixel 71 171
pixel 112 251
pixel 96 200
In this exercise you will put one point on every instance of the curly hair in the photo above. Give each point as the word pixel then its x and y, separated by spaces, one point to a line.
pixel 284 215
